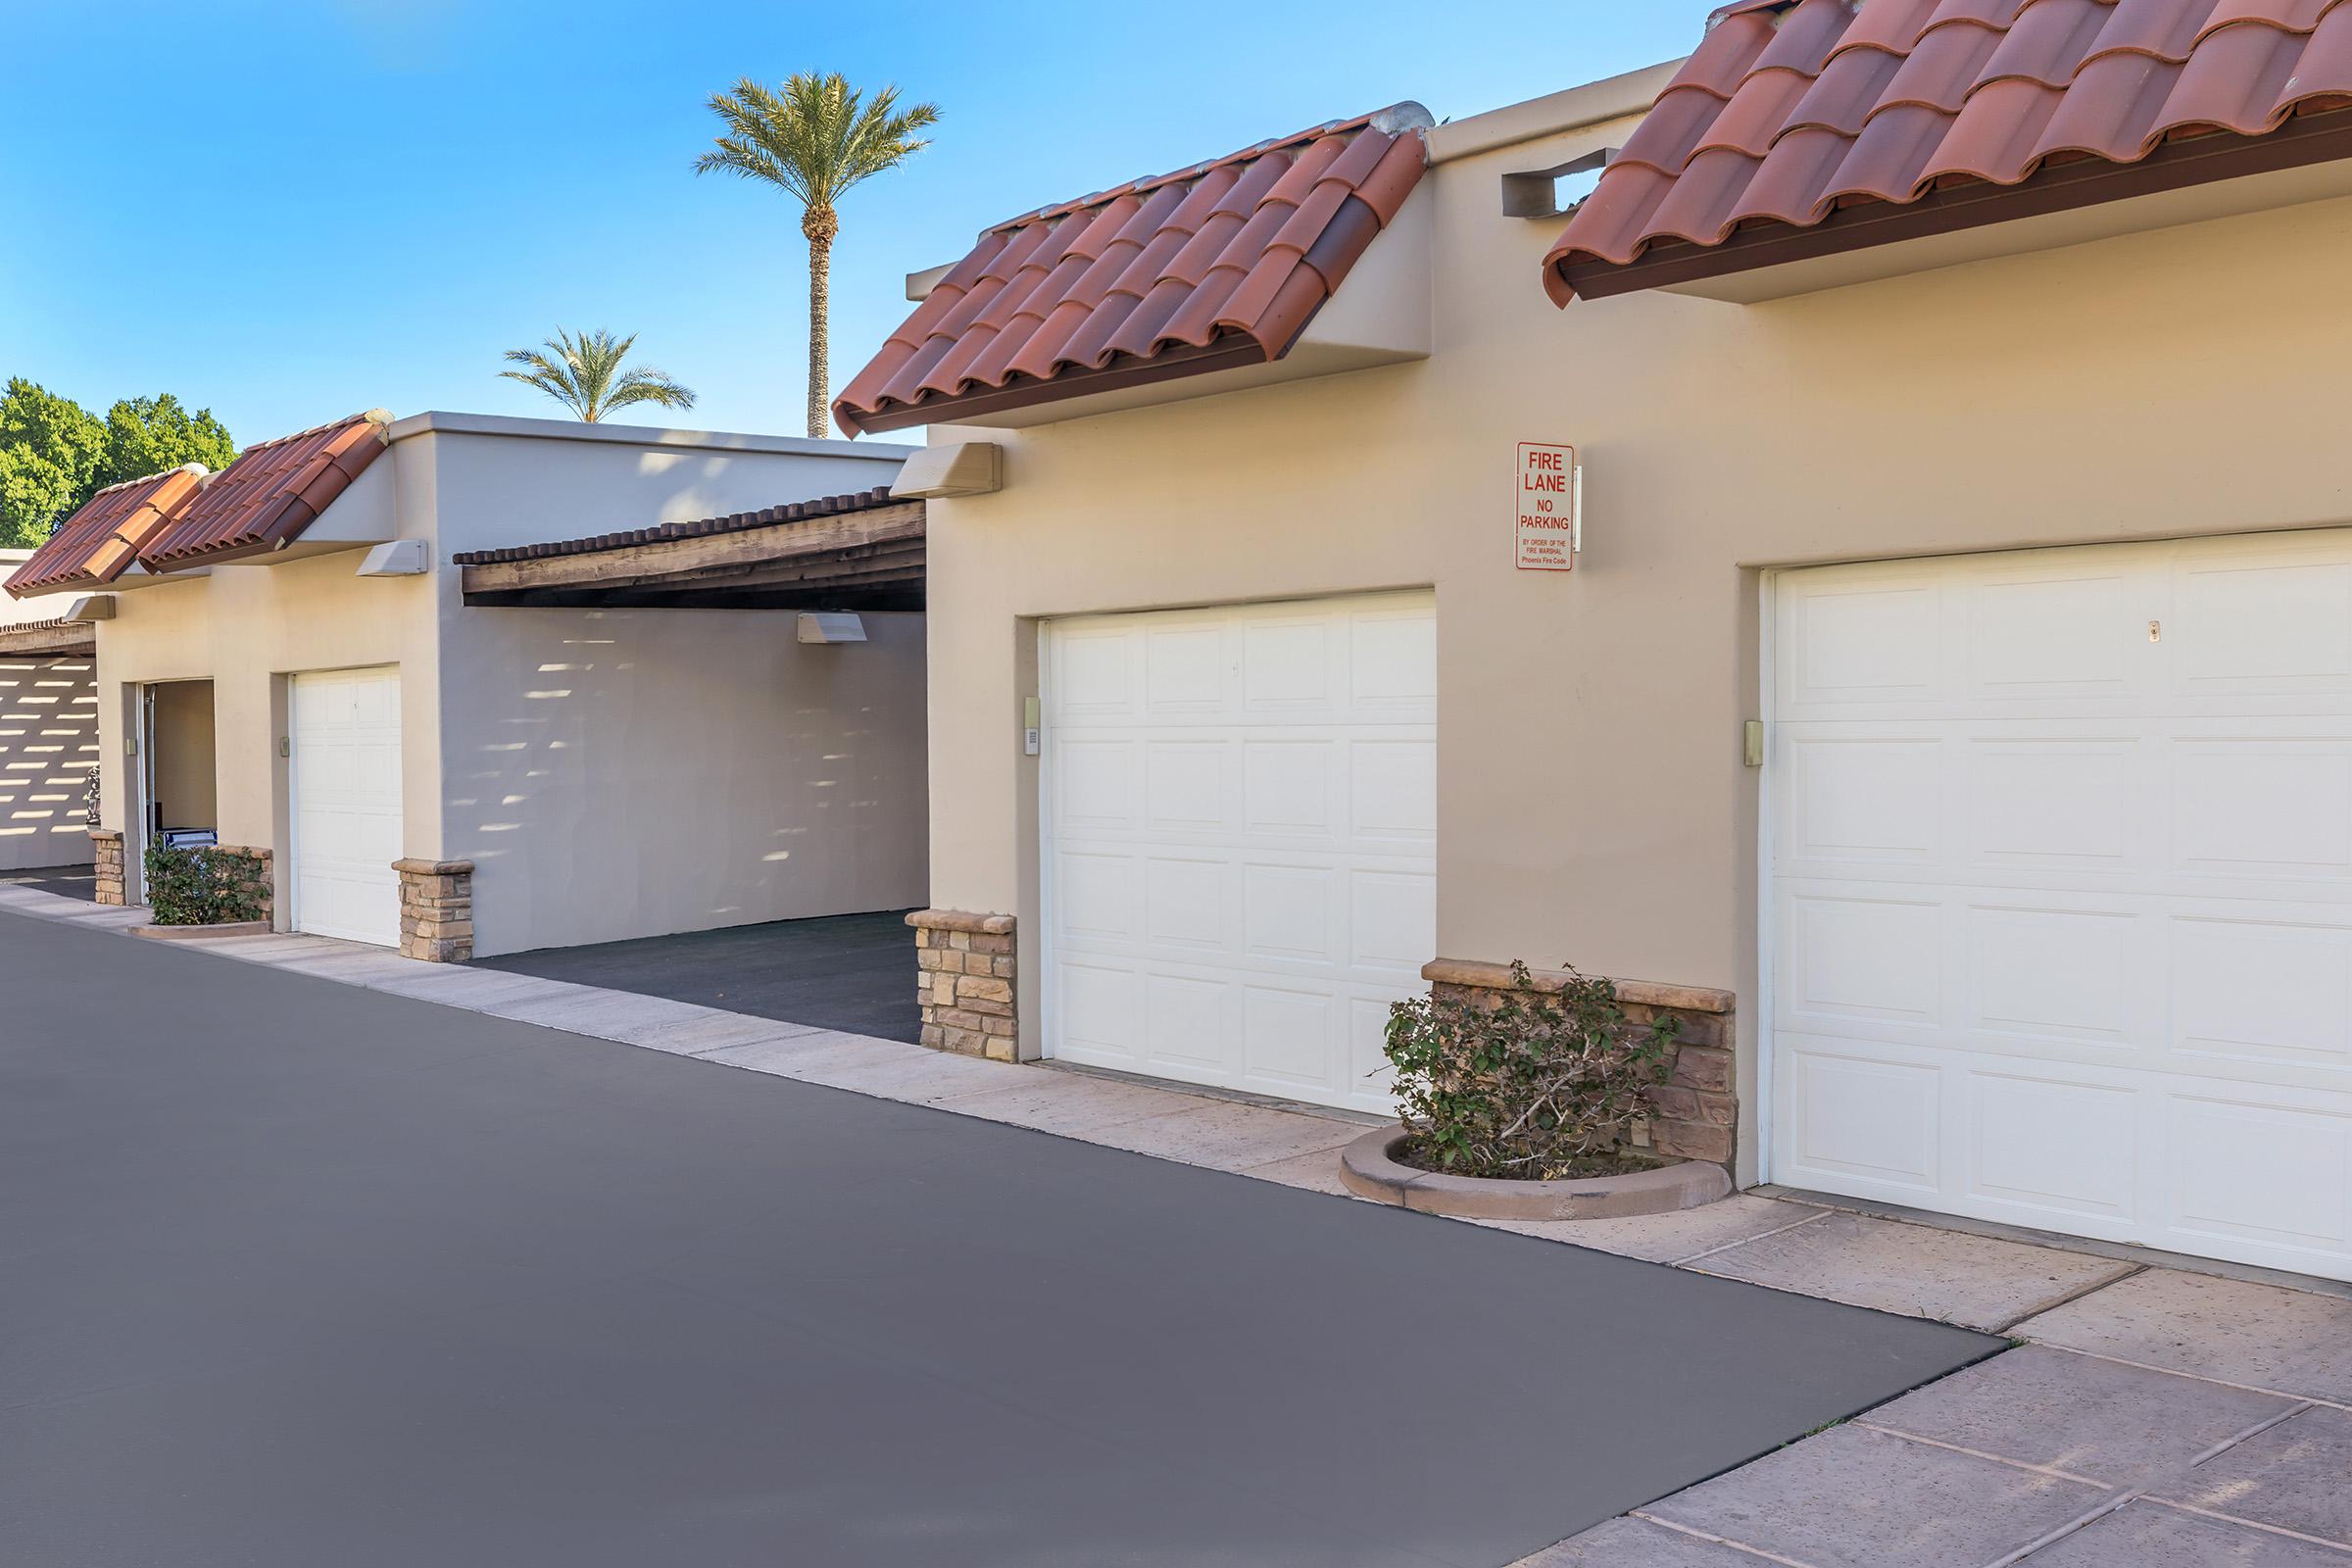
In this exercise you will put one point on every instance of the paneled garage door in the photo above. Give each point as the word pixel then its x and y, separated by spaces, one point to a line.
pixel 1240 838
pixel 2061 925
pixel 347 829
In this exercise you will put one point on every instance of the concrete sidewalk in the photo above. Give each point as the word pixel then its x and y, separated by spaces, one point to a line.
pixel 2075 1454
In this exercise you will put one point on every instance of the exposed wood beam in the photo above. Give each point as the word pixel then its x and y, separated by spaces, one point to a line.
pixel 669 559
pixel 49 639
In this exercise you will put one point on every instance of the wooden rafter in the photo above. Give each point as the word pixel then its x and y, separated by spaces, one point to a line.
pixel 49 639
pixel 849 560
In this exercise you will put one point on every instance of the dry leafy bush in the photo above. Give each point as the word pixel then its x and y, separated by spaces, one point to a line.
pixel 1531 1085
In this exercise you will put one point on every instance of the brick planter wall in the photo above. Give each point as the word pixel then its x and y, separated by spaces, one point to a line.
pixel 964 980
pixel 251 869
pixel 436 909
pixel 1695 1113
pixel 105 853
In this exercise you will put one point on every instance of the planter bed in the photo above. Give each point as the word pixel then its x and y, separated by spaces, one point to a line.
pixel 1370 1170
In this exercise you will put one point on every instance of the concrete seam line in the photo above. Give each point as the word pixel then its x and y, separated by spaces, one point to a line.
pixel 1713 1540
pixel 2052 1470
pixel 2068 1298
pixel 2080 1522
pixel 2249 1524
pixel 1777 1230
pixel 2254 1431
pixel 2200 1377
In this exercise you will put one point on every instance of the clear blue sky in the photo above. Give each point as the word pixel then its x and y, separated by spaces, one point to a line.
pixel 295 209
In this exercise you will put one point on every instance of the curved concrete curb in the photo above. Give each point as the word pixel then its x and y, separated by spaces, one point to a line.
pixel 1370 1172
pixel 189 933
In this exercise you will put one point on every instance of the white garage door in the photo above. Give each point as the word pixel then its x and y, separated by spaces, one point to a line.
pixel 2061 922
pixel 1240 831
pixel 346 744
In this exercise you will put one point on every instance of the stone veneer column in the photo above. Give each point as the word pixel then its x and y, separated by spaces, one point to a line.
pixel 1695 1113
pixel 964 981
pixel 106 852
pixel 436 909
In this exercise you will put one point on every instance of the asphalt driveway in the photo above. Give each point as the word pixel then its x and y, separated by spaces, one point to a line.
pixel 851 972
pixel 299 1274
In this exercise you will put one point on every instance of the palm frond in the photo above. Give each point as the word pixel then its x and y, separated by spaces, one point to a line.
pixel 584 373
pixel 815 137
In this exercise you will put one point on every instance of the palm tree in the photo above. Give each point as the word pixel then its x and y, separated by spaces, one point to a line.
pixel 584 375
pixel 813 139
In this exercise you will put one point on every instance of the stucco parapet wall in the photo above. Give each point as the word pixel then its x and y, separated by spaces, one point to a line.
pixel 994 926
pixel 1572 109
pixel 442 422
pixel 1630 993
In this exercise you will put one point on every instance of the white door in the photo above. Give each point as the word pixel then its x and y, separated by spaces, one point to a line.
pixel 1240 839
pixel 2061 913
pixel 346 783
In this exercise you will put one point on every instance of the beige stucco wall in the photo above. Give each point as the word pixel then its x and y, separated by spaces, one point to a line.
pixel 48 743
pixel 1593 805
pixel 612 775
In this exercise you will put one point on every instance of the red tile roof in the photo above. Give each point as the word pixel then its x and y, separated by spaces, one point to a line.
pixel 91 548
pixel 733 522
pixel 272 493
pixel 1222 262
pixel 187 517
pixel 1792 114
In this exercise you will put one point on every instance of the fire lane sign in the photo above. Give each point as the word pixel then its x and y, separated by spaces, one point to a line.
pixel 1550 484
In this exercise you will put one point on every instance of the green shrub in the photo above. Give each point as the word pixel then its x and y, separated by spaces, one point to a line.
pixel 1528 1084
pixel 203 885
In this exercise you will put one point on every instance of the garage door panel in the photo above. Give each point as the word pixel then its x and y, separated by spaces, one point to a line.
pixel 2061 1149
pixel 347 825
pixel 1248 844
pixel 2256 991
pixel 1863 1118
pixel 2260 1171
pixel 2062 910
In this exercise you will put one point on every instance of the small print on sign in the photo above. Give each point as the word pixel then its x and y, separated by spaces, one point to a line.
pixel 1547 482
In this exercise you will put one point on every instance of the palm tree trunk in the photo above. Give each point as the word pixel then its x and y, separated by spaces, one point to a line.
pixel 821 302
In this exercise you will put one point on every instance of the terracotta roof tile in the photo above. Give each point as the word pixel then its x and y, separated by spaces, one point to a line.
pixel 733 522
pixel 96 544
pixel 1235 254
pixel 265 499
pixel 1793 110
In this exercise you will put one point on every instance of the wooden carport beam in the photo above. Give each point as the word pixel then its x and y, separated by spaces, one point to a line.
pixel 49 639
pixel 678 563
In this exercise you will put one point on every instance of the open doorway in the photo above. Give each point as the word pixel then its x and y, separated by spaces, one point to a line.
pixel 179 800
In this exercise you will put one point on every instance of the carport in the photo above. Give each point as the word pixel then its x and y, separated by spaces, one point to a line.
pixel 833 563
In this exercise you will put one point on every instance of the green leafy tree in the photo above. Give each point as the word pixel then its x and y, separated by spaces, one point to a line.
pixel 50 452
pixel 147 435
pixel 813 139
pixel 584 375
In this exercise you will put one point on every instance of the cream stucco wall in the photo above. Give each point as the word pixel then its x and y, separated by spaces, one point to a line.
pixel 1591 800
pixel 612 775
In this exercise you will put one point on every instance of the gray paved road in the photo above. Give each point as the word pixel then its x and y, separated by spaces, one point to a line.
pixel 299 1276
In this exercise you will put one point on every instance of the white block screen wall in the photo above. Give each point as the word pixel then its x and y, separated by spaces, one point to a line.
pixel 2061 899
pixel 1240 839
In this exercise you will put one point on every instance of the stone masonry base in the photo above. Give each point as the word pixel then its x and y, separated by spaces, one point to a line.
pixel 436 909
pixel 964 980
pixel 105 853
pixel 1693 1114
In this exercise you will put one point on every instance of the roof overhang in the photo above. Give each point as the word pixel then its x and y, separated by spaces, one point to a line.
pixel 2186 182
pixel 867 558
